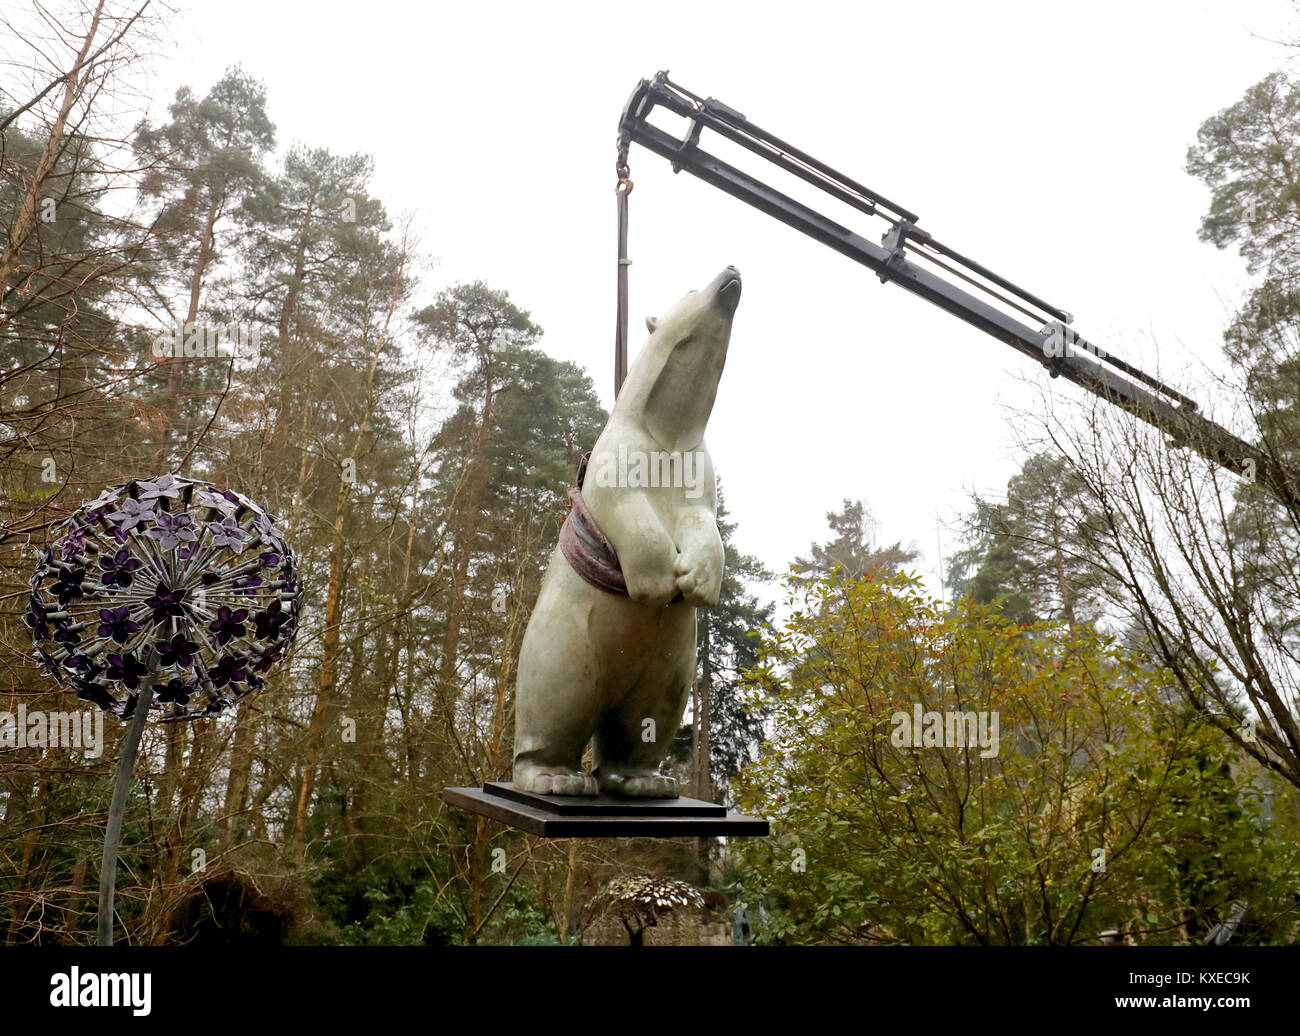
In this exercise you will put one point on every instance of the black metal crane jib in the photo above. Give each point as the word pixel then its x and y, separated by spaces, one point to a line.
pixel 914 260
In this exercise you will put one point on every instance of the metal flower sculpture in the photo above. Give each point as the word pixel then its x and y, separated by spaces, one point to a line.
pixel 172 594
pixel 639 902
pixel 172 581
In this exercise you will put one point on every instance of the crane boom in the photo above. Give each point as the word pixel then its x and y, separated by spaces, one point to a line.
pixel 913 259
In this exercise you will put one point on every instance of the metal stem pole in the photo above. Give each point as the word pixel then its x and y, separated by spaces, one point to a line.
pixel 113 834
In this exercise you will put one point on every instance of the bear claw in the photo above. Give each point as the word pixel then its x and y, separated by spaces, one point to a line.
pixel 573 783
pixel 642 786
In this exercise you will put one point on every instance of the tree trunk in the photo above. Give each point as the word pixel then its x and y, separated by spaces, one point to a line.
pixel 329 663
pixel 186 810
pixel 207 240
pixel 465 548
pixel 25 219
pixel 704 763
pixel 241 761
pixel 74 901
pixel 330 647
pixel 564 922
pixel 35 817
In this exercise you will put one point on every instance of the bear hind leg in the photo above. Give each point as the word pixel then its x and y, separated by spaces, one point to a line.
pixel 636 782
pixel 625 765
pixel 551 779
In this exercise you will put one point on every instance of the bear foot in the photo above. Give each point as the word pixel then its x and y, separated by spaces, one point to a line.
pixel 554 780
pixel 641 784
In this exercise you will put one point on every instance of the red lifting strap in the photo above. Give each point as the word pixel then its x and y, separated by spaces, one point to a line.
pixel 588 549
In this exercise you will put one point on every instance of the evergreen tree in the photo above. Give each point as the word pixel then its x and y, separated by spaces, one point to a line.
pixel 724 731
pixel 202 166
pixel 853 549
pixel 1034 552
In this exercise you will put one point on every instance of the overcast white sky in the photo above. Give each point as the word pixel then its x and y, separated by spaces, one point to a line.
pixel 1046 141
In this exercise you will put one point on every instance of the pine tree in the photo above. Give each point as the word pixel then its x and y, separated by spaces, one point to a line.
pixel 853 549
pixel 1035 551
pixel 724 731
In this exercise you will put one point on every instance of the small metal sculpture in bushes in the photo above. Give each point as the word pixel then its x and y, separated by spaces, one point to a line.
pixel 170 596
pixel 639 902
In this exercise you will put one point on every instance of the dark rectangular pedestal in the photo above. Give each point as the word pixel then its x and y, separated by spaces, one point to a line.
pixel 601 816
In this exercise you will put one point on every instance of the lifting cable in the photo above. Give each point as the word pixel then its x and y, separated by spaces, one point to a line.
pixel 621 190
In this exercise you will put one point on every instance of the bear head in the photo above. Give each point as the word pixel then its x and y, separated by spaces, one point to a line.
pixel 672 385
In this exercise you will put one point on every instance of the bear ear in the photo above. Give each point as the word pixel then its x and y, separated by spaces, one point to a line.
pixel 651 323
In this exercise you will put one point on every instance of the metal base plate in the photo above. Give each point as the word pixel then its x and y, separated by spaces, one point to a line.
pixel 601 816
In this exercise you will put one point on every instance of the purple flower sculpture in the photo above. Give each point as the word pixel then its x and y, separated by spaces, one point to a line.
pixel 167 486
pixel 176 652
pixel 117 567
pixel 67 585
pixel 227 533
pixel 228 624
pixel 117 624
pixel 130 514
pixel 126 669
pixel 175 689
pixel 74 544
pixel 163 602
pixel 171 530
pixel 171 582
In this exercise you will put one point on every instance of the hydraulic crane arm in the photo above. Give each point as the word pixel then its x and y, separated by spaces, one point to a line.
pixel 915 260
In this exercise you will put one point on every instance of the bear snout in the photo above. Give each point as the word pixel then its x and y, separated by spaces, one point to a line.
pixel 725 289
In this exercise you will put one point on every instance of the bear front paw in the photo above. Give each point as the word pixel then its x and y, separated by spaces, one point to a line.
pixel 699 578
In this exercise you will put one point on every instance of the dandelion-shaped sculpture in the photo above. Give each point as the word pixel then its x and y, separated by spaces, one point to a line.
pixel 638 902
pixel 169 596
pixel 173 585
